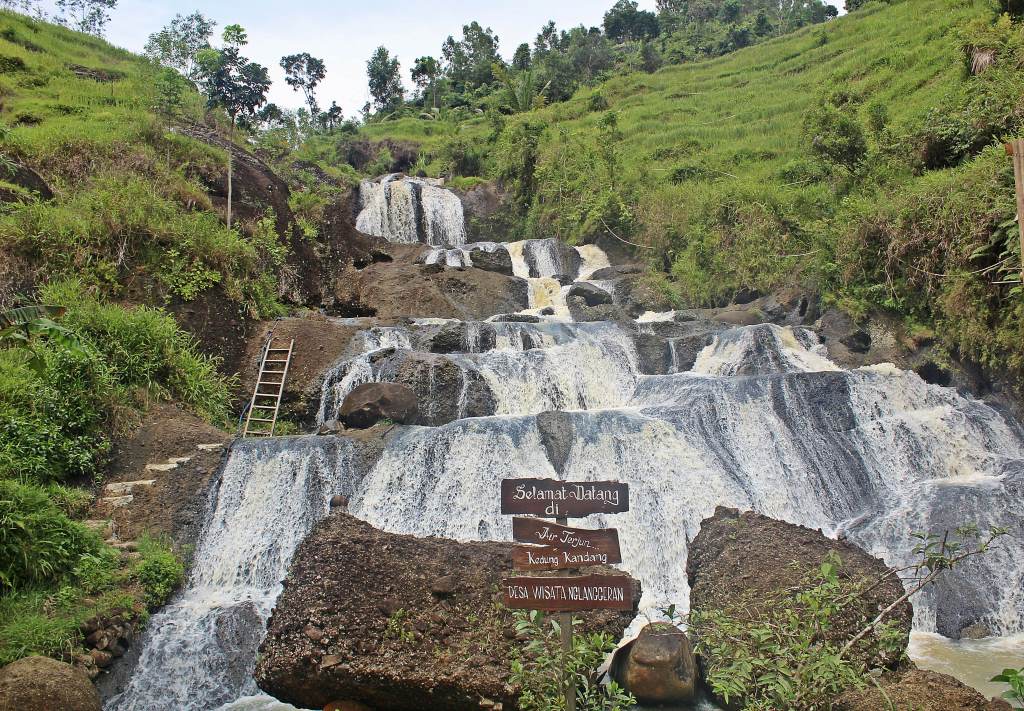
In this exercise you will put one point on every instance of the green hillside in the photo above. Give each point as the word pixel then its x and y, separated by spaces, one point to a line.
pixel 859 157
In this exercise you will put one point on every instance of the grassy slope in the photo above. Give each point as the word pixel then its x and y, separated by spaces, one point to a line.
pixel 741 113
pixel 125 192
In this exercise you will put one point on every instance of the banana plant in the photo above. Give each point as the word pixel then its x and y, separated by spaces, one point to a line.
pixel 23 326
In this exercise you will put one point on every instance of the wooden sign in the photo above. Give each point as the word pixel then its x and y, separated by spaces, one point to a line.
pixel 558 499
pixel 559 547
pixel 586 592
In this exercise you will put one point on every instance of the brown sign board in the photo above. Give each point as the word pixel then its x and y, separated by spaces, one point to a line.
pixel 560 547
pixel 586 592
pixel 550 497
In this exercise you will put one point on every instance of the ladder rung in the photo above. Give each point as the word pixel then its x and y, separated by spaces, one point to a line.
pixel 257 419
pixel 264 407
pixel 269 382
pixel 276 361
pixel 278 350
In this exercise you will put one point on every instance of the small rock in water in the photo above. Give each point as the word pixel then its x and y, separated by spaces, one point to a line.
pixel 339 501
pixel 547 311
pixel 591 295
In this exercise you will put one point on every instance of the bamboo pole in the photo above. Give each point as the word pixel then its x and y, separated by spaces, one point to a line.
pixel 565 625
pixel 1016 149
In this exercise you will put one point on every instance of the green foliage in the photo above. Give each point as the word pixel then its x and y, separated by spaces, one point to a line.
pixel 385 80
pixel 516 157
pixel 835 135
pixel 543 670
pixel 578 185
pixel 1015 678
pixel 54 421
pixel 143 347
pixel 398 627
pixel 160 571
pixel 38 542
pixel 781 659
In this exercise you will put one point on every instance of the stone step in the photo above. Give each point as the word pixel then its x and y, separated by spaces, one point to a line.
pixel 117 501
pixel 210 447
pixel 172 463
pixel 118 488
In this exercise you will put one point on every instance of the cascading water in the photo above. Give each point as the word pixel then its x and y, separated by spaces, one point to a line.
pixel 199 651
pixel 763 421
pixel 403 209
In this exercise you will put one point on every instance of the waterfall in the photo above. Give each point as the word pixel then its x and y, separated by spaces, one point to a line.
pixel 200 650
pixel 762 421
pixel 403 209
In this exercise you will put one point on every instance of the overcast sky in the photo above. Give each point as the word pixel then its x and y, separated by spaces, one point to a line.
pixel 345 33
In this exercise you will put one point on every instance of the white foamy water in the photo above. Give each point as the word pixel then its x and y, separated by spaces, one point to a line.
pixel 200 651
pixel 763 422
pixel 403 209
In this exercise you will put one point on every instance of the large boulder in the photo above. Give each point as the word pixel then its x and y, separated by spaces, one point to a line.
pixel 44 684
pixel 499 260
pixel 658 667
pixel 463 337
pixel 582 312
pixel 370 403
pixel 591 295
pixel 395 622
pixel 637 294
pixel 741 562
pixel 403 288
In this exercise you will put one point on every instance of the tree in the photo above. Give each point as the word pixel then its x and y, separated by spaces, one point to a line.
pixel 89 16
pixel 332 116
pixel 469 63
pixel 521 59
pixel 233 83
pixel 170 86
pixel 385 80
pixel 179 43
pixel 625 22
pixel 425 72
pixel 303 72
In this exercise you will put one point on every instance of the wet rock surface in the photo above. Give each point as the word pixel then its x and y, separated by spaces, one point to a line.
pixel 371 403
pixel 403 623
pixel 499 261
pixel 917 690
pixel 44 684
pixel 658 667
pixel 445 390
pixel 740 562
pixel 547 257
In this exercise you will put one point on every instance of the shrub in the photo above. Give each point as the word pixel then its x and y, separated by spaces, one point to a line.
pixel 160 571
pixel 835 136
pixel 538 668
pixel 38 542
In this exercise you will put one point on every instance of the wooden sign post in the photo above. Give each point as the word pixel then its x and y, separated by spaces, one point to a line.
pixel 1016 149
pixel 555 546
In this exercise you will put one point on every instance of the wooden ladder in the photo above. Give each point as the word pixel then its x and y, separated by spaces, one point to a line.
pixel 266 398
